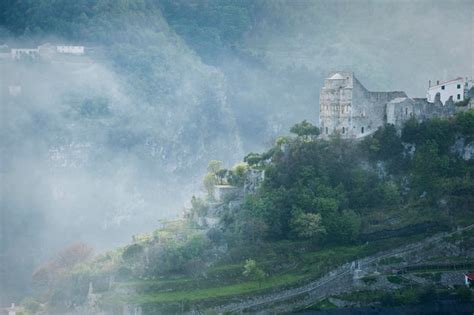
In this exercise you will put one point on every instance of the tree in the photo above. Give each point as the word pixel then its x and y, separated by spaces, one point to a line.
pixel 253 158
pixel 429 166
pixel 74 254
pixel 305 130
pixel 252 271
pixel 342 227
pixel 132 252
pixel 221 176
pixel 237 174
pixel 307 225
pixel 466 123
pixel 198 207
pixel 209 181
pixel 214 166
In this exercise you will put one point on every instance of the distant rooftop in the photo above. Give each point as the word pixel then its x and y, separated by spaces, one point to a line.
pixel 337 76
pixel 452 80
pixel 398 99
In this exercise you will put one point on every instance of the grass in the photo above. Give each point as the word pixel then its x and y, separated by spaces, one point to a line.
pixel 215 292
pixel 298 263
pixel 435 277
pixel 223 281
pixel 322 305
pixel 460 236
pixel 363 296
pixel 368 280
pixel 148 283
pixel 397 280
pixel 391 260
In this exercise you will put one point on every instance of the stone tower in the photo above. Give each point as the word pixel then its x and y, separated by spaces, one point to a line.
pixel 348 109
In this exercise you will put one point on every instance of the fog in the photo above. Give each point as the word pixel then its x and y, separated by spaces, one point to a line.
pixel 89 153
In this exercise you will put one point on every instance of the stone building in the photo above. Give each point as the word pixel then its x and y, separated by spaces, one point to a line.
pixel 347 108
pixel 399 110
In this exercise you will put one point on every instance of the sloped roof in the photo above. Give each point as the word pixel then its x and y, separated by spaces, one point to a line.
pixel 398 99
pixel 337 76
pixel 470 276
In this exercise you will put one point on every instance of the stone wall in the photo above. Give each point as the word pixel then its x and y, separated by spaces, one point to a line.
pixel 399 110
pixel 348 109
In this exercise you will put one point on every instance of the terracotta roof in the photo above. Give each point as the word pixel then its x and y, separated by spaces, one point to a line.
pixel 442 83
pixel 470 276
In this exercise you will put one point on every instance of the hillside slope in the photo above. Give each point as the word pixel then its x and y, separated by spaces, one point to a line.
pixel 344 216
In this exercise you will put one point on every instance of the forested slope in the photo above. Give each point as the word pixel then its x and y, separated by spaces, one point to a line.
pixel 320 205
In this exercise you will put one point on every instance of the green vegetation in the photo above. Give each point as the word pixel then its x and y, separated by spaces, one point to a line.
pixel 432 276
pixel 407 296
pixel 391 260
pixel 305 130
pixel 369 279
pixel 397 279
pixel 322 305
pixel 209 293
pixel 326 185
pixel 311 213
pixel 252 271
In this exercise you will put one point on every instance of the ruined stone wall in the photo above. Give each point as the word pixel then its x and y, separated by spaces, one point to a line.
pixel 348 109
pixel 400 110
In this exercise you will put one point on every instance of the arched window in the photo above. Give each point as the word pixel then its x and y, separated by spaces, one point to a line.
pixel 406 110
pixel 343 130
pixel 362 130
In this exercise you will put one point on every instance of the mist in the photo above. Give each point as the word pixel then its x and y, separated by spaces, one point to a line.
pixel 100 147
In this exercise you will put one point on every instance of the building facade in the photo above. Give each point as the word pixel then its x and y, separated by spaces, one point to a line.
pixel 73 50
pixel 348 109
pixel 24 53
pixel 455 89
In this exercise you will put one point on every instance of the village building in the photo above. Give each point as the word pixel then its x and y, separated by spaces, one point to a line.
pixel 24 53
pixel 12 310
pixel 68 49
pixel 455 89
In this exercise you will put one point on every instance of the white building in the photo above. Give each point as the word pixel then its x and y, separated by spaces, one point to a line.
pixel 453 88
pixel 73 50
pixel 12 310
pixel 24 53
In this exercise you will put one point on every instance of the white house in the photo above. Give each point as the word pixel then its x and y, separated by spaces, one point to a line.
pixel 20 53
pixel 454 88
pixel 12 310
pixel 73 50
